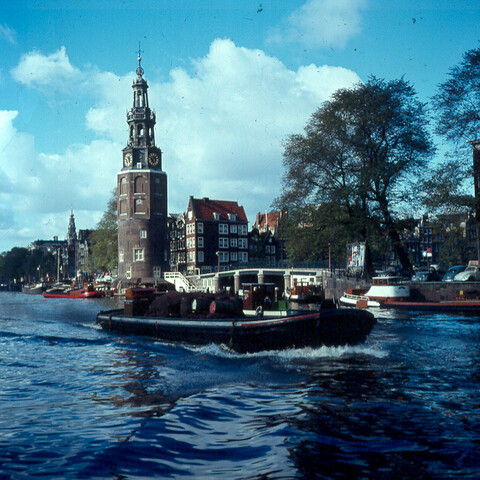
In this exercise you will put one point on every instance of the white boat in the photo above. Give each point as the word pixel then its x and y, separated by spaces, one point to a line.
pixel 383 288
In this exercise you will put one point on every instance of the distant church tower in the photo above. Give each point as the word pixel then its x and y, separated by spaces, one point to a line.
pixel 142 194
pixel 71 246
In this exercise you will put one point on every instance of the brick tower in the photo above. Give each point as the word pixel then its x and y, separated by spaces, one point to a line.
pixel 142 194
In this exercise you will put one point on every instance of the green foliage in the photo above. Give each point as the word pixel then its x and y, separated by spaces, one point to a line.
pixel 457 103
pixel 454 250
pixel 359 153
pixel 21 263
pixel 104 240
pixel 443 191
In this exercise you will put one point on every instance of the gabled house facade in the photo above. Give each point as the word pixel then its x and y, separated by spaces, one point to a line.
pixel 216 235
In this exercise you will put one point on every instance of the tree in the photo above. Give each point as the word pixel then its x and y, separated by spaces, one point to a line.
pixel 457 107
pixel 360 151
pixel 21 263
pixel 457 102
pixel 104 239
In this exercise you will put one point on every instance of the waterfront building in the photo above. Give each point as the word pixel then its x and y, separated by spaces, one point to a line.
pixel 178 249
pixel 216 235
pixel 143 247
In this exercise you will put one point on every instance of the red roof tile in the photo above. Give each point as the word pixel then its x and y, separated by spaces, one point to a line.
pixel 269 218
pixel 204 209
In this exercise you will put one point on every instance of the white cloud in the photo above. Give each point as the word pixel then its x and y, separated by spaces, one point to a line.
pixel 320 24
pixel 37 190
pixel 47 73
pixel 220 125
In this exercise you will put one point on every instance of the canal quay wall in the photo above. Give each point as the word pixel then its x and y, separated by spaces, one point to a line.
pixel 335 287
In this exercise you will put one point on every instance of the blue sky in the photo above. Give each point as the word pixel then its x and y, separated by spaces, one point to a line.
pixel 229 81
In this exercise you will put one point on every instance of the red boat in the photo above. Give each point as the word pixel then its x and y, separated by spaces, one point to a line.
pixel 86 292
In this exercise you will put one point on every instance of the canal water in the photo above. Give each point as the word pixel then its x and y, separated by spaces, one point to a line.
pixel 80 403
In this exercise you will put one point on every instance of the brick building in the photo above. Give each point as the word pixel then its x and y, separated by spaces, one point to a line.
pixel 216 235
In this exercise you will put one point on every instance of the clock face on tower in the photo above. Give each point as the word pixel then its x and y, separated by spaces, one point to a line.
pixel 153 159
pixel 128 160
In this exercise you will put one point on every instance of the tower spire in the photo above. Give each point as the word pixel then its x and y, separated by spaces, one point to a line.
pixel 139 68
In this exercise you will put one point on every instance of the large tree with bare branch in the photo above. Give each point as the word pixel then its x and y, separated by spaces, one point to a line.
pixel 360 151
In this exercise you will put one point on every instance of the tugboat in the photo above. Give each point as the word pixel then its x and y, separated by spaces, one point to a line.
pixel 200 319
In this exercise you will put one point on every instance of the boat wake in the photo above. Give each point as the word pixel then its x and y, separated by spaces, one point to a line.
pixel 294 353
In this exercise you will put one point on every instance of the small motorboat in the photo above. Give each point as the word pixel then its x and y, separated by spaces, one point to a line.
pixel 34 289
pixel 86 292
pixel 201 319
pixel 383 289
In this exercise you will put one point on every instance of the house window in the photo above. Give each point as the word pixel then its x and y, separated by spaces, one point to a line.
pixel 242 243
pixel 233 256
pixel 200 242
pixel 143 234
pixel 128 273
pixel 233 242
pixel 223 242
pixel 223 257
pixel 157 272
pixel 201 257
pixel 199 227
pixel 223 229
pixel 121 256
pixel 233 228
pixel 243 257
pixel 242 229
pixel 138 254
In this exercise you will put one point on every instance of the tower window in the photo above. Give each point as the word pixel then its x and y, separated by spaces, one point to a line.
pixel 139 185
pixel 138 254
pixel 123 186
pixel 143 234
pixel 123 207
pixel 139 206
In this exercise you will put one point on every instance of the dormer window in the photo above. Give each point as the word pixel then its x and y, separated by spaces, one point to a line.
pixel 216 216
pixel 232 217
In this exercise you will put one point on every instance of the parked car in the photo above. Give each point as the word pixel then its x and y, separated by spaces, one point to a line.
pixel 425 275
pixel 452 271
pixel 470 274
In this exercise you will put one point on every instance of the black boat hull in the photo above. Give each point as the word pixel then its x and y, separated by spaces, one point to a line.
pixel 332 327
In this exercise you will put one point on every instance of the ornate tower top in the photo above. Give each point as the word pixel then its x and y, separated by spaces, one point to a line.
pixel 141 151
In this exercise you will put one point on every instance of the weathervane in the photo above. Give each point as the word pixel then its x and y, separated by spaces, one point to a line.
pixel 139 69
